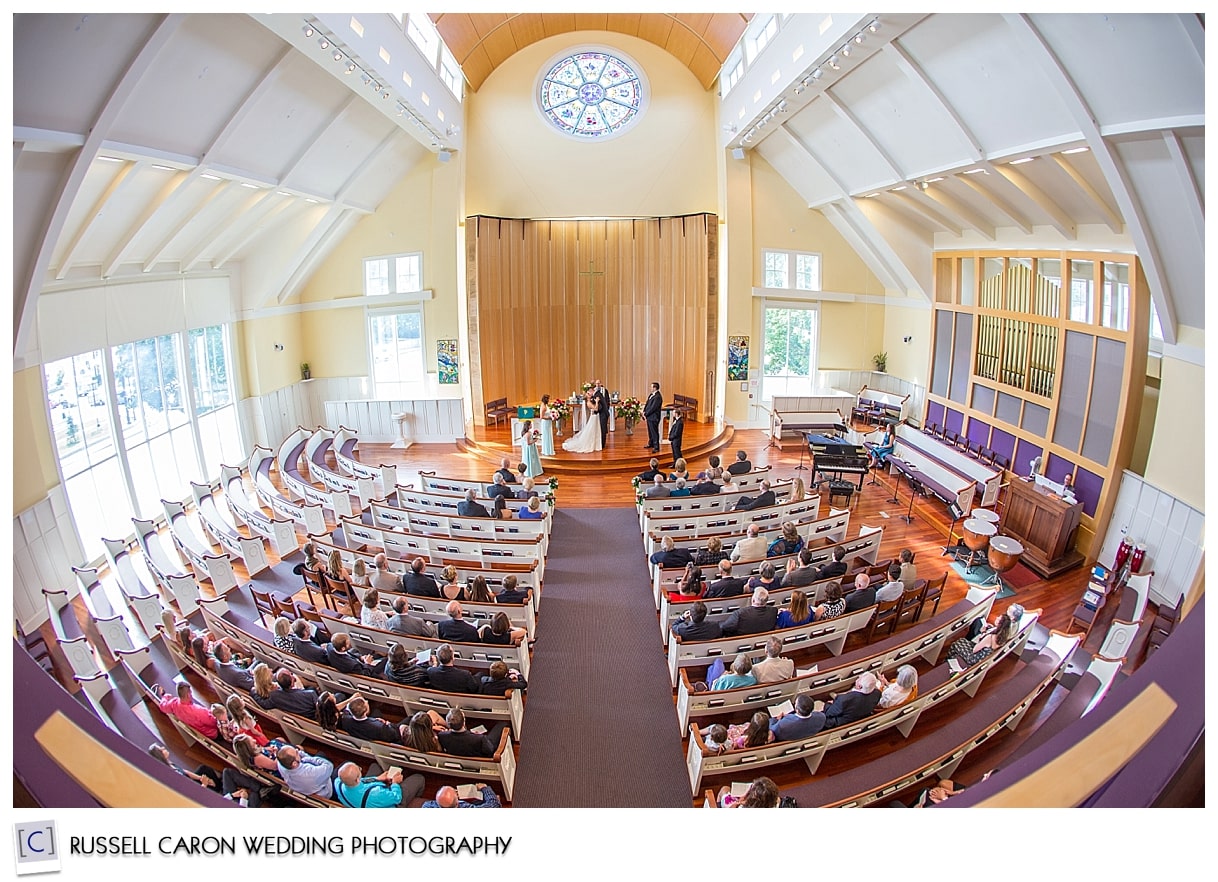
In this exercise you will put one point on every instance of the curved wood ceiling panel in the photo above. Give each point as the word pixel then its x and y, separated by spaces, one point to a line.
pixel 482 41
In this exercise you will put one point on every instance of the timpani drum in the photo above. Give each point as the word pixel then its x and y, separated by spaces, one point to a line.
pixel 1004 553
pixel 984 514
pixel 977 533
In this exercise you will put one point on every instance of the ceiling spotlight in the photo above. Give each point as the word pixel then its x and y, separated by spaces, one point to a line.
pixel 846 50
pixel 385 93
pixel 860 37
pixel 337 56
pixel 874 27
pixel 366 79
pixel 323 42
pixel 350 67
pixel 817 74
pixel 782 106
pixel 799 90
pixel 833 62
pixel 308 30
pixel 401 108
pixel 921 185
pixel 452 130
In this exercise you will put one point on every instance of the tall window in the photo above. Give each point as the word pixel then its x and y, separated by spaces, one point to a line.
pixel 395 338
pixel 732 71
pixel 393 274
pixel 793 270
pixel 450 72
pixel 214 403
pixel 789 364
pixel 423 34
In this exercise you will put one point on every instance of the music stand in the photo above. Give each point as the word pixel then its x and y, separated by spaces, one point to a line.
pixel 952 547
pixel 896 484
pixel 915 489
pixel 801 452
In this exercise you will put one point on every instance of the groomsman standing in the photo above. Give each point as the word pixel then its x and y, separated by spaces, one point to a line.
pixel 651 412
pixel 675 430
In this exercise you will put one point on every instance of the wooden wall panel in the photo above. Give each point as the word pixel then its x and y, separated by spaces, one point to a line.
pixel 652 317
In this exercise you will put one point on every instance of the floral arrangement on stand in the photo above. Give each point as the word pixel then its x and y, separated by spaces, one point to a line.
pixel 561 412
pixel 630 409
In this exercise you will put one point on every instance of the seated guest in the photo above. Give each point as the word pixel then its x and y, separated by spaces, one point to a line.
pixel 679 470
pixel 909 572
pixel 370 612
pixel 183 707
pixel 798 491
pixel 797 612
pixel 679 488
pixel 800 572
pixel 725 585
pixel 359 574
pixel 835 568
pixel 302 637
pixel 446 797
pixel 893 588
pixel 501 632
pixel 767 577
pixel 690 585
pixel 447 677
pixel 341 657
pixel 470 508
pixel 715 740
pixel 694 626
pixel 712 462
pixel 751 547
pixel 498 488
pixel 652 471
pixel 336 569
pixel 741 465
pixel 527 489
pixel 385 790
pixel 421 732
pixel 205 775
pixel 862 596
pixel 804 722
pixel 450 588
pixel 532 511
pixel 756 618
pixel 306 774
pixel 402 667
pixel 402 622
pixel 850 707
pixel 969 651
pixel 500 679
pixel 834 605
pixel 882 449
pixel 289 695
pixel 903 688
pixel 456 629
pixel 511 593
pixel 383 578
pixel 762 793
pixel 705 485
pixel 669 555
pixel 283 633
pixel 789 542
pixel 711 554
pixel 774 667
pixel 356 722
pixel 657 490
pixel 460 741
pixel 228 670
pixel 754 733
pixel 499 509
pixel 761 500
pixel 478 592
pixel 505 471
pixel 418 581
pixel 740 674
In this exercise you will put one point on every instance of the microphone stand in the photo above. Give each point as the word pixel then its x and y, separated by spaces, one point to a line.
pixel 915 489
pixel 801 465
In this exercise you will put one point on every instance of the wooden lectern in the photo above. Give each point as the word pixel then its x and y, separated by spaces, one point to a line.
pixel 1045 524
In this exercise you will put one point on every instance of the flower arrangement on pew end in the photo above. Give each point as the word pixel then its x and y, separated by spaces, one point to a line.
pixel 630 409
pixel 553 483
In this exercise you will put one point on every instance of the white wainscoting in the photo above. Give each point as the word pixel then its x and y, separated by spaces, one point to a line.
pixel 1172 531
pixel 45 549
pixel 427 422
pixel 853 381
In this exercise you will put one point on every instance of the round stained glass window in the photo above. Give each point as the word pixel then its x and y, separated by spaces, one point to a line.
pixel 591 94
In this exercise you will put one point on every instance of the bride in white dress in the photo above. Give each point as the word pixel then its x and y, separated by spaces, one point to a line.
pixel 587 439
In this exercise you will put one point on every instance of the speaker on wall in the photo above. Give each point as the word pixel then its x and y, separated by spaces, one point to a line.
pixel 737 153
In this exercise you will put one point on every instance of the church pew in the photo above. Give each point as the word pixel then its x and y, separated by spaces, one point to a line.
pixel 288 457
pixel 308 514
pixel 410 499
pixel 143 601
pixel 923 640
pixel 812 527
pixel 720 608
pixel 694 526
pixel 430 482
pixel 454 526
pixel 987 478
pixel 830 633
pixel 712 502
pixel 934 688
pixel 108 622
pixel 161 564
pixel 494 552
pixel 249 551
pixel 70 637
pixel 316 448
pixel 281 532
pixel 521 615
pixel 216 568
pixel 345 443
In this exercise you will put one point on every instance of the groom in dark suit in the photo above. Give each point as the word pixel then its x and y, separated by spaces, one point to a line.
pixel 651 412
pixel 603 404
pixel 676 429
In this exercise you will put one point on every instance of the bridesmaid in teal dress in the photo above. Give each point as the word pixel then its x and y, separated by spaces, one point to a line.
pixel 546 422
pixel 528 444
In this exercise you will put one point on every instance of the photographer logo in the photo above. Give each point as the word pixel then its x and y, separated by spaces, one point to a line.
pixel 36 847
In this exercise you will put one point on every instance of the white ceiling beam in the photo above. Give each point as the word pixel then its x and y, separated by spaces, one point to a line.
pixel 133 229
pixel 319 252
pixel 221 226
pixel 1195 31
pixel 366 163
pixel 850 119
pixel 914 72
pixel 158 253
pixel 1036 50
pixel 310 142
pixel 51 228
pixel 123 177
pixel 1016 216
pixel 960 210
pixel 922 208
pixel 1111 217
pixel 1194 197
pixel 279 290
pixel 253 224
pixel 1061 221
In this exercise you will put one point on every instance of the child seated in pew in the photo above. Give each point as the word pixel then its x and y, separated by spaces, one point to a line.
pixel 754 733
pixel 691 585
pixel 715 742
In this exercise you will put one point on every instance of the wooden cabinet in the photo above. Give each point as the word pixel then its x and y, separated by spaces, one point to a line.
pixel 1045 524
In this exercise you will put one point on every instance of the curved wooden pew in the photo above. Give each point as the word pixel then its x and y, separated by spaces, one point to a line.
pixel 281 532
pixel 452 525
pixel 216 568
pixel 720 608
pixel 143 601
pixel 410 499
pixel 248 550
pixel 316 447
pixel 345 442
pixel 310 515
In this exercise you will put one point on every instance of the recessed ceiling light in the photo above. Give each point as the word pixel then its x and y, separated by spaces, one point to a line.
pixel 1021 161
pixel 283 192
pixel 356 26
pixel 314 201
pixel 933 180
pixel 249 186
pixel 1077 150
pixel 109 159
pixel 210 176
pixel 164 167
pixel 974 171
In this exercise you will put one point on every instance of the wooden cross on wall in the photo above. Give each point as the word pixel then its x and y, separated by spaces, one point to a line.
pixel 591 274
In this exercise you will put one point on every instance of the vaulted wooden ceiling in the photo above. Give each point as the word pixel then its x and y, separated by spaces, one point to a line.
pixel 482 41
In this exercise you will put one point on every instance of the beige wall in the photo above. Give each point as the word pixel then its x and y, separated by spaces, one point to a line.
pixel 909 361
pixel 264 369
pixel 1176 462
pixel 34 472
pixel 519 165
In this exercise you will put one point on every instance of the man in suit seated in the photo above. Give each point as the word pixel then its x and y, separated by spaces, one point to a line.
pixel 657 490
pixel 773 667
pixel 447 677
pixel 460 741
pixel 835 568
pixel 301 639
pixel 228 670
pixel 761 500
pixel 705 485
pixel 456 629
pixel 725 585
pixel 383 578
pixel 741 465
pixel 511 593
pixel 804 722
pixel 505 471
pixel 694 626
pixel 356 722
pixel 850 707
pixel 290 695
pixel 500 679
pixel 803 574
pixel 402 622
pixel 751 547
pixel 653 469
pixel 670 556
pixel 862 596
pixel 418 581
pixel 756 618
pixel 499 488
pixel 468 508
pixel 341 657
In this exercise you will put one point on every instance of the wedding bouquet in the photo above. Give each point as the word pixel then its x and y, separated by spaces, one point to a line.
pixel 585 387
pixel 630 409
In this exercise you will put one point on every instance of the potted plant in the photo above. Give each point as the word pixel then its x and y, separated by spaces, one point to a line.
pixel 881 361
pixel 304 371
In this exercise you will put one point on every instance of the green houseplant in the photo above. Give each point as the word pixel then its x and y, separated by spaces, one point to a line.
pixel 304 371
pixel 881 361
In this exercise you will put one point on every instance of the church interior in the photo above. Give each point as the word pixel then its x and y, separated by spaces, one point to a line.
pixel 289 278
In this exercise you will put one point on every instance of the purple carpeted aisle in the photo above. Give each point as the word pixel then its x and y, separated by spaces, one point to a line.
pixel 600 729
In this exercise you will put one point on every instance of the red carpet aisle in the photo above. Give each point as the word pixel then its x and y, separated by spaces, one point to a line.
pixel 600 729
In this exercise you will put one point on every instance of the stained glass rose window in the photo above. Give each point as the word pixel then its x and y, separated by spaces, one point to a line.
pixel 591 94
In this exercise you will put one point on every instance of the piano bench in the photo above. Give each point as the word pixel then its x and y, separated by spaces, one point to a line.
pixel 843 489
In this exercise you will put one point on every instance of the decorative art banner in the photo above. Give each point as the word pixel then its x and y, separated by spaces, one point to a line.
pixel 737 358
pixel 447 362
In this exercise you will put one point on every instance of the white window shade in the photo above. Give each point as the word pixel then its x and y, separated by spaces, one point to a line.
pixel 71 322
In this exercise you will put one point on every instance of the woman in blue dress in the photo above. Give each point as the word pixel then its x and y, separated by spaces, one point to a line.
pixel 528 443
pixel 546 421
pixel 880 451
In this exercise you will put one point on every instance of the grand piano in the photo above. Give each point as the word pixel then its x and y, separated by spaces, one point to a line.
pixel 831 461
